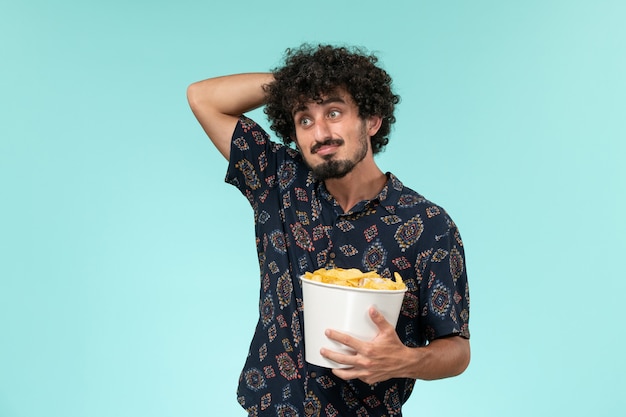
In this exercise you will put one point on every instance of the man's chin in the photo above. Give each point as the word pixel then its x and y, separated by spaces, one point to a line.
pixel 332 170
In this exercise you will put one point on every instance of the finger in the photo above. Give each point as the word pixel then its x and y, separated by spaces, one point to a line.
pixel 379 320
pixel 340 358
pixel 345 373
pixel 343 338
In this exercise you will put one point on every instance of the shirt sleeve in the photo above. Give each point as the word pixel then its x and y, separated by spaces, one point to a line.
pixel 249 168
pixel 444 287
pixel 259 166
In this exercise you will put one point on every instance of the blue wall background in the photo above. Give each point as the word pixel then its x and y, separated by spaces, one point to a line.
pixel 128 277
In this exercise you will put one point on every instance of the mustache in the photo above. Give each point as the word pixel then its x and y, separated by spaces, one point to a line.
pixel 327 142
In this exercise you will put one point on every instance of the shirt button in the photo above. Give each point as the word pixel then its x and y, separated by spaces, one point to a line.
pixel 332 255
pixel 313 374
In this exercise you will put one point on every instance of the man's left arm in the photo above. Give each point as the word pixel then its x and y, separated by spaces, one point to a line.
pixel 387 357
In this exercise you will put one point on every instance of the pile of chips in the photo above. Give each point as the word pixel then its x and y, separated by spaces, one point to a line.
pixel 355 278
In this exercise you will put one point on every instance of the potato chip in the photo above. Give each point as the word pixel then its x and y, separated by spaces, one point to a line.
pixel 355 278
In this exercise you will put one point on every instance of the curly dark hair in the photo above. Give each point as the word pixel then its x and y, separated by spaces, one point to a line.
pixel 311 72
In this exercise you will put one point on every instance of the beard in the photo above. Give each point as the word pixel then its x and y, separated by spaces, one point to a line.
pixel 339 168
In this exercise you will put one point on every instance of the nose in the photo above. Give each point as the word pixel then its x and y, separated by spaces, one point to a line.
pixel 321 130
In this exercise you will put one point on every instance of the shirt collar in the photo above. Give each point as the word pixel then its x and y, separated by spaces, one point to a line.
pixel 388 197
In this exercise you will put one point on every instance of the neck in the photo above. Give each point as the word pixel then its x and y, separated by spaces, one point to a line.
pixel 362 183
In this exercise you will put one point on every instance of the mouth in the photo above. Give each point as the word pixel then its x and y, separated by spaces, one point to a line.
pixel 327 147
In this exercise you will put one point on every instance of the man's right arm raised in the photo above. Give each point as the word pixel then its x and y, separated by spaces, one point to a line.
pixel 218 103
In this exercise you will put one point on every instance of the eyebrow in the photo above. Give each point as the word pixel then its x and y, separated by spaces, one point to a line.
pixel 327 100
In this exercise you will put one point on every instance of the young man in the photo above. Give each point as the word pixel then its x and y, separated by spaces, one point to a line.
pixel 327 204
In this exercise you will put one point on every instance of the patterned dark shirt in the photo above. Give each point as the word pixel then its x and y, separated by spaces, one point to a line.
pixel 300 227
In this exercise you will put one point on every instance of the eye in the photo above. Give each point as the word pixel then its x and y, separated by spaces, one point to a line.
pixel 304 121
pixel 333 114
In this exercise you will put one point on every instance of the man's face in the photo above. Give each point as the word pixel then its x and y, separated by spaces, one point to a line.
pixel 331 136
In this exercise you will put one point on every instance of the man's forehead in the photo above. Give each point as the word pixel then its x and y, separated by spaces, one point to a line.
pixel 339 95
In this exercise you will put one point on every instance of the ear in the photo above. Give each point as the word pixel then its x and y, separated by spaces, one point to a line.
pixel 373 124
